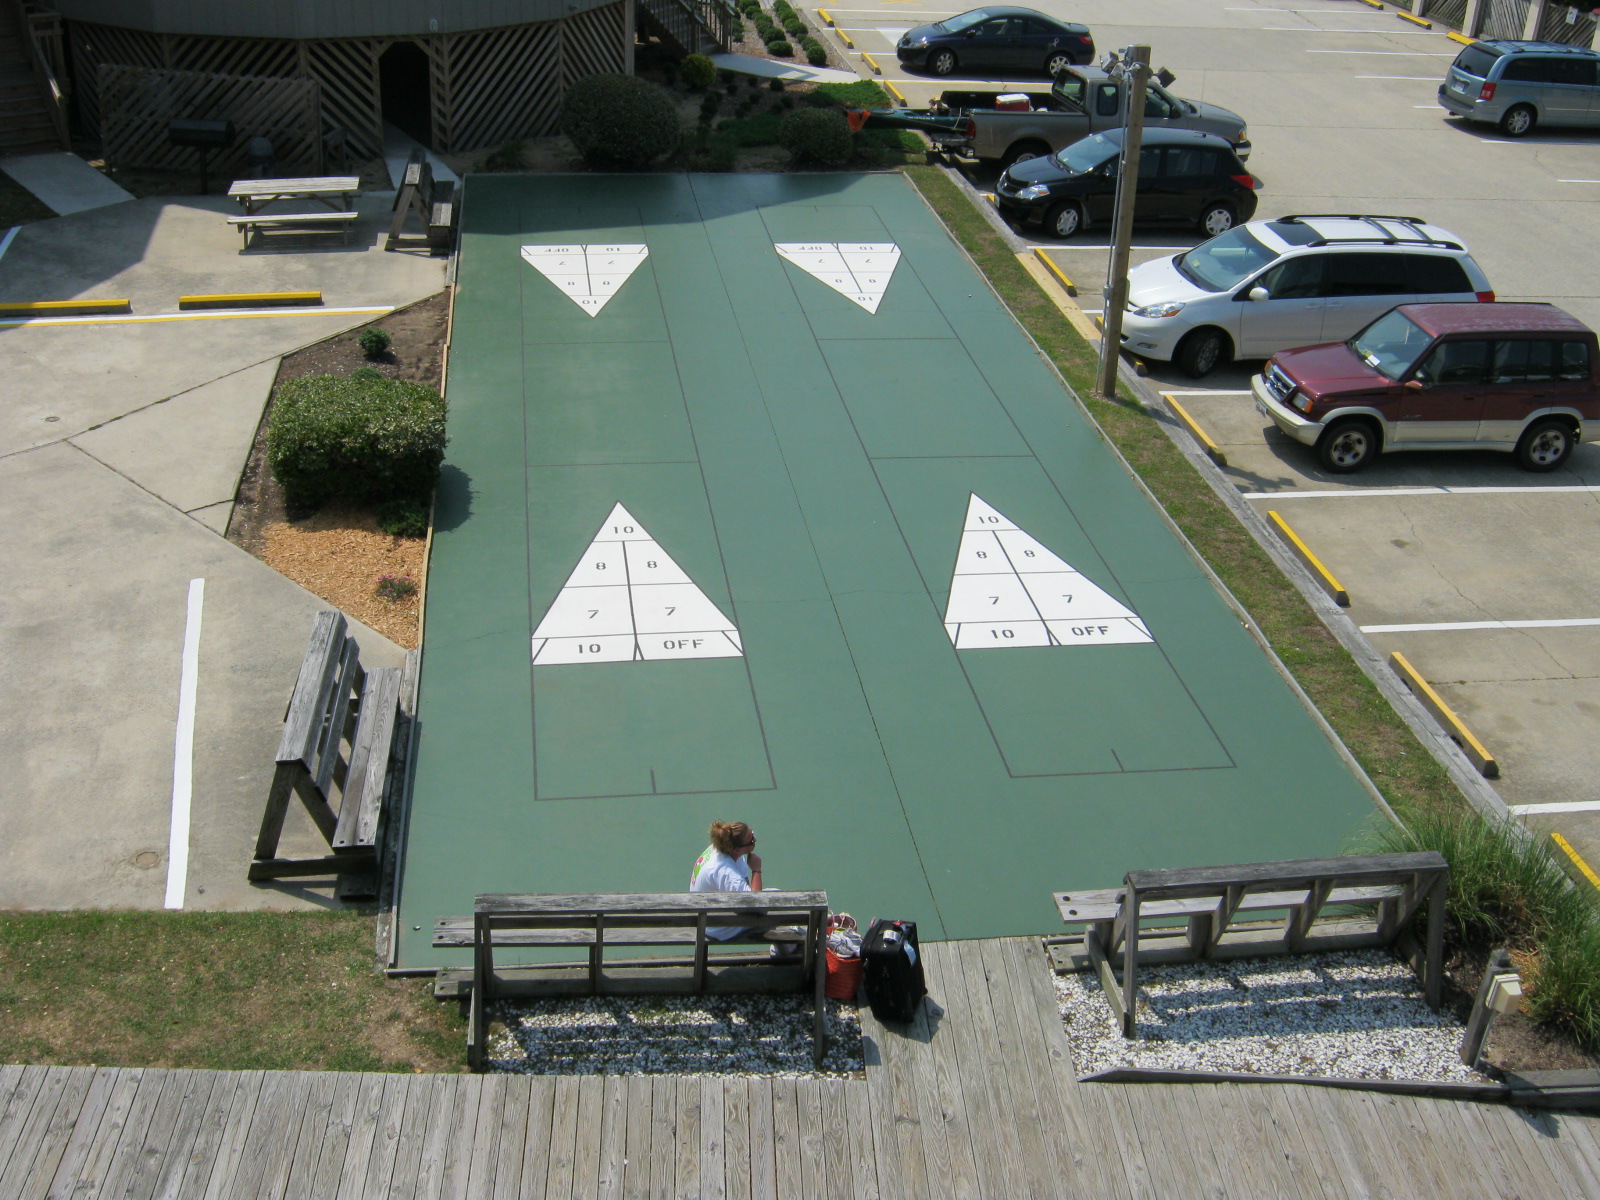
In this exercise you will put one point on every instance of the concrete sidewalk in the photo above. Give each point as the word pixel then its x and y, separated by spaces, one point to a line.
pixel 63 182
pixel 121 445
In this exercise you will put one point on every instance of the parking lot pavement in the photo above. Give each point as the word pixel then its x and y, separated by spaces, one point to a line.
pixel 121 446
pixel 1342 115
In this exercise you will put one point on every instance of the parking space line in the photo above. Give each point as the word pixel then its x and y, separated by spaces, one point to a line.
pixel 1435 490
pixel 1522 810
pixel 1407 79
pixel 201 316
pixel 1464 626
pixel 183 750
pixel 1340 32
pixel 1216 392
pixel 1386 53
pixel 1578 181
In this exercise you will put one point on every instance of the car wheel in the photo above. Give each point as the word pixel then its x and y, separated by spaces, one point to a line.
pixel 1518 121
pixel 1202 352
pixel 1022 153
pixel 1057 63
pixel 1064 220
pixel 1545 446
pixel 942 62
pixel 1217 218
pixel 1347 446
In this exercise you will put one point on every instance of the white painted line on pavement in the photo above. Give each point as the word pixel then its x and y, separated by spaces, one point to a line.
pixel 1409 79
pixel 1522 810
pixel 1387 53
pixel 1212 392
pixel 1465 626
pixel 1438 490
pixel 183 751
pixel 1558 181
pixel 212 315
pixel 1340 32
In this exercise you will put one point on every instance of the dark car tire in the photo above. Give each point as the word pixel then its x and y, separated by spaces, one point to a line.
pixel 1347 446
pixel 1217 219
pixel 1518 121
pixel 1064 220
pixel 1202 352
pixel 942 62
pixel 1058 62
pixel 1022 152
pixel 1546 445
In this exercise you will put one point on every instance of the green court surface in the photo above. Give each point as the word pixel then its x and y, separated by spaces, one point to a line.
pixel 876 585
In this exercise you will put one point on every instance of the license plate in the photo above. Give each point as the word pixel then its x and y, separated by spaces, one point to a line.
pixel 1261 407
pixel 1458 86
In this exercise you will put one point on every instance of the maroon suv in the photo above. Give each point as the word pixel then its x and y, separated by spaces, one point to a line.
pixel 1515 377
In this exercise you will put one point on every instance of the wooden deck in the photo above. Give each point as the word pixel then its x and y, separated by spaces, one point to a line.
pixel 981 1101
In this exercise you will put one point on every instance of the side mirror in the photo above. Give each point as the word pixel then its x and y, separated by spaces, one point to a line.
pixel 1165 77
pixel 1415 385
pixel 1259 294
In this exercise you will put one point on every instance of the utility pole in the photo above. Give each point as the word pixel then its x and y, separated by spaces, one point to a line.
pixel 1134 71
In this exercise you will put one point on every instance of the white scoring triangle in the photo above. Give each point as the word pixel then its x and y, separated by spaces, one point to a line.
pixel 858 271
pixel 627 601
pixel 589 274
pixel 1008 590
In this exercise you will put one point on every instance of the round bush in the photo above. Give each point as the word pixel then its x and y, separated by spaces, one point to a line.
pixel 783 9
pixel 697 72
pixel 619 120
pixel 374 342
pixel 780 48
pixel 775 85
pixel 794 26
pixel 815 54
pixel 362 439
pixel 816 136
pixel 405 517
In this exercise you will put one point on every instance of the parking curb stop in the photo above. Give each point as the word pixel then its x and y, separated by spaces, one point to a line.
pixel 1312 563
pixel 1445 715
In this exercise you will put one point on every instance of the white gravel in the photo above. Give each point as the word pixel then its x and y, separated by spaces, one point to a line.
pixel 1354 1015
pixel 679 1035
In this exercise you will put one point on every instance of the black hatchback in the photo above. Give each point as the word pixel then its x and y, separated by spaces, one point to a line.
pixel 1184 175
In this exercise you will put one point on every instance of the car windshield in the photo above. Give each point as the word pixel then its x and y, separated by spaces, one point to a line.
pixel 1225 261
pixel 964 20
pixel 1087 154
pixel 1390 344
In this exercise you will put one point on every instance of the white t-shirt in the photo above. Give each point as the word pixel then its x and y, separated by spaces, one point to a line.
pixel 715 871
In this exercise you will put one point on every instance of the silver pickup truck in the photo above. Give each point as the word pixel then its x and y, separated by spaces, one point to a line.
pixel 1081 101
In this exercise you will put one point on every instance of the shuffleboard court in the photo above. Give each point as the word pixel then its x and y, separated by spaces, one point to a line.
pixel 759 506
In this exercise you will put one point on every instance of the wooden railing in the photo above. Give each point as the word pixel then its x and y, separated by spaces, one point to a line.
pixel 52 98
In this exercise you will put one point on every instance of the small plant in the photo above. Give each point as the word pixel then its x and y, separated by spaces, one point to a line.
pixel 709 105
pixel 395 588
pixel 794 26
pixel 366 373
pixel 374 342
pixel 697 72
pixel 816 55
pixel 775 85
pixel 783 9
pixel 726 77
pixel 780 48
pixel 404 516
pixel 816 136
pixel 511 156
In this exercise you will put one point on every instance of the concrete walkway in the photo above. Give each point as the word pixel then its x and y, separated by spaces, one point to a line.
pixel 771 68
pixel 121 445
pixel 63 182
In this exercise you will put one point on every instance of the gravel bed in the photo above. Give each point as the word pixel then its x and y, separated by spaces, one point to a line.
pixel 671 1035
pixel 1353 1015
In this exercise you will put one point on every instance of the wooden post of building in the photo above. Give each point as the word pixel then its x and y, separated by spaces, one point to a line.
pixel 628 35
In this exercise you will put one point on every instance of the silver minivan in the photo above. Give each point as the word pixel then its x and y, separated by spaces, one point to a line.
pixel 1518 85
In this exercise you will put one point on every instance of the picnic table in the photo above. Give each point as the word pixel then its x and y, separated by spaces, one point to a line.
pixel 336 192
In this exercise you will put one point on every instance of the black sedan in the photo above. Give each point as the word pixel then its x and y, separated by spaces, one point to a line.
pixel 1184 175
pixel 1002 39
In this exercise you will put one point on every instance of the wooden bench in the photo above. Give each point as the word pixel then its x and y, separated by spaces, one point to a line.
pixel 1386 889
pixel 317 222
pixel 339 741
pixel 590 923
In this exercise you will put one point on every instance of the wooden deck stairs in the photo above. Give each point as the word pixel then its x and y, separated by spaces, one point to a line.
pixel 689 26
pixel 32 116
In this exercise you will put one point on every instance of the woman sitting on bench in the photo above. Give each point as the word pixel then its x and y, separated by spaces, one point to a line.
pixel 728 864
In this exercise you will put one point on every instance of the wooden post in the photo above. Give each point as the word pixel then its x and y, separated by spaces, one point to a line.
pixel 1130 954
pixel 1433 955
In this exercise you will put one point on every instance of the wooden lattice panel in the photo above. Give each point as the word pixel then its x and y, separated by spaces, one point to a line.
pixel 347 69
pixel 138 102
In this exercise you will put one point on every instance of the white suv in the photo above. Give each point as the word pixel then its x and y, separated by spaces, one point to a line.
pixel 1292 281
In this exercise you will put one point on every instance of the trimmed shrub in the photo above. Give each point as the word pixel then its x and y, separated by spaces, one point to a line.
pixel 360 439
pixel 366 373
pixel 697 72
pixel 775 85
pixel 374 342
pixel 619 120
pixel 816 136
pixel 780 48
pixel 815 54
pixel 783 9
pixel 405 517
pixel 795 26
pixel 765 26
